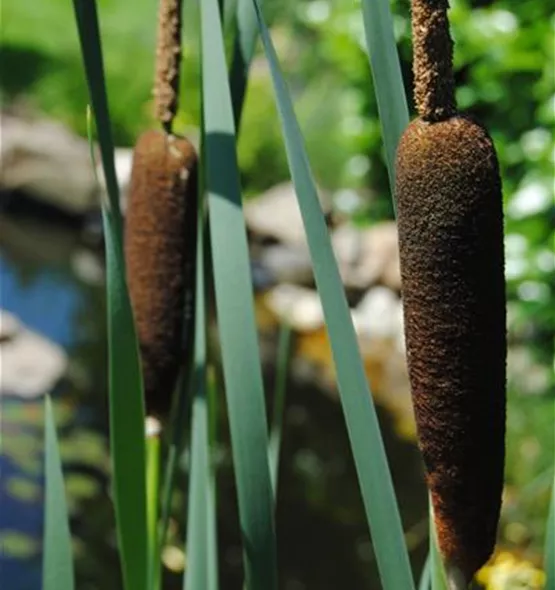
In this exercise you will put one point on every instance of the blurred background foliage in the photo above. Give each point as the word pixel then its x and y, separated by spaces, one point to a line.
pixel 505 69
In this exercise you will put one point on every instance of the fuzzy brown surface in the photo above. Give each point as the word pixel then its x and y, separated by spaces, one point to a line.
pixel 434 85
pixel 168 61
pixel 451 251
pixel 160 235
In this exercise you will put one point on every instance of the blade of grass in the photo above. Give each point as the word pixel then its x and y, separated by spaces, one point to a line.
pixel 57 568
pixel 153 430
pixel 125 381
pixel 425 577
pixel 235 308
pixel 212 531
pixel 243 52
pixel 437 573
pixel 362 423
pixel 282 364
pixel 196 577
pixel 550 544
pixel 386 73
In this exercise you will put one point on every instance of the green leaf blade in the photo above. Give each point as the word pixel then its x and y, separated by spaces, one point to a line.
pixel 234 301
pixel 386 73
pixel 550 544
pixel 362 424
pixel 127 436
pixel 57 571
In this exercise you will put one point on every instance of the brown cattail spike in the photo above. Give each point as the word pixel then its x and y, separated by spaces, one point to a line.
pixel 450 220
pixel 451 245
pixel 168 61
pixel 160 237
pixel 434 86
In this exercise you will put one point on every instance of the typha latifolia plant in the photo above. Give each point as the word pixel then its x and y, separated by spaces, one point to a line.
pixel 450 220
pixel 160 230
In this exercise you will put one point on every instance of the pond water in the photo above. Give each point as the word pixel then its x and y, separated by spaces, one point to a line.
pixel 53 284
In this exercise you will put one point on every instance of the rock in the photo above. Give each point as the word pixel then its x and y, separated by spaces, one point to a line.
pixel 379 315
pixel 287 264
pixel 43 159
pixel 276 214
pixel 368 256
pixel 47 162
pixel 31 365
pixel 299 307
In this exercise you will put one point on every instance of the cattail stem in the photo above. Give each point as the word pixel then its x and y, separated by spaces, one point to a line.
pixel 434 84
pixel 168 61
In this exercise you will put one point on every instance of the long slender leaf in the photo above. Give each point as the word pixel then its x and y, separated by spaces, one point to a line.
pixel 153 429
pixel 196 577
pixel 57 569
pixel 362 424
pixel 437 573
pixel 274 444
pixel 243 52
pixel 386 73
pixel 125 382
pixel 550 544
pixel 425 577
pixel 212 532
pixel 234 301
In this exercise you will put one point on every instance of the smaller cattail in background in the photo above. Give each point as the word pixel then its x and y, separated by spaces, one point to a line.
pixel 160 229
pixel 450 221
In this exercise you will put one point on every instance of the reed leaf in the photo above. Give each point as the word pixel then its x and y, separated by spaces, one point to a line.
pixel 550 544
pixel 125 382
pixel 236 319
pixel 276 427
pixel 388 81
pixel 196 576
pixel 57 565
pixel 360 414
pixel 243 52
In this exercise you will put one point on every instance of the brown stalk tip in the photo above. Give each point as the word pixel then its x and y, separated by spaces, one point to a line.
pixel 160 238
pixel 168 61
pixel 434 84
pixel 450 223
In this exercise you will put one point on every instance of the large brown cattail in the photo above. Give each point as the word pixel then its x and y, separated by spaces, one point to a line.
pixel 160 232
pixel 450 221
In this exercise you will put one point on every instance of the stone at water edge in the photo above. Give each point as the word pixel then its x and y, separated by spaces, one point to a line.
pixel 275 214
pixel 30 364
pixel 368 256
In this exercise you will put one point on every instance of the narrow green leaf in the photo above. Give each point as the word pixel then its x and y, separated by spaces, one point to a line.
pixel 91 51
pixel 125 382
pixel 437 573
pixel 282 365
pixel 243 52
pixel 153 431
pixel 212 530
pixel 57 567
pixel 234 302
pixel 386 73
pixel 425 577
pixel 362 424
pixel 550 544
pixel 196 576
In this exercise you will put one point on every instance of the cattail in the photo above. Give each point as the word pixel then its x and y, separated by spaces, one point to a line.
pixel 160 232
pixel 450 222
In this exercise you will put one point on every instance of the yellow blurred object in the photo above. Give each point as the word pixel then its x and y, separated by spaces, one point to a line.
pixel 507 572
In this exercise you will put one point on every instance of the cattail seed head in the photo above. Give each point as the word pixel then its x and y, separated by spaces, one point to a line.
pixel 450 222
pixel 160 237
